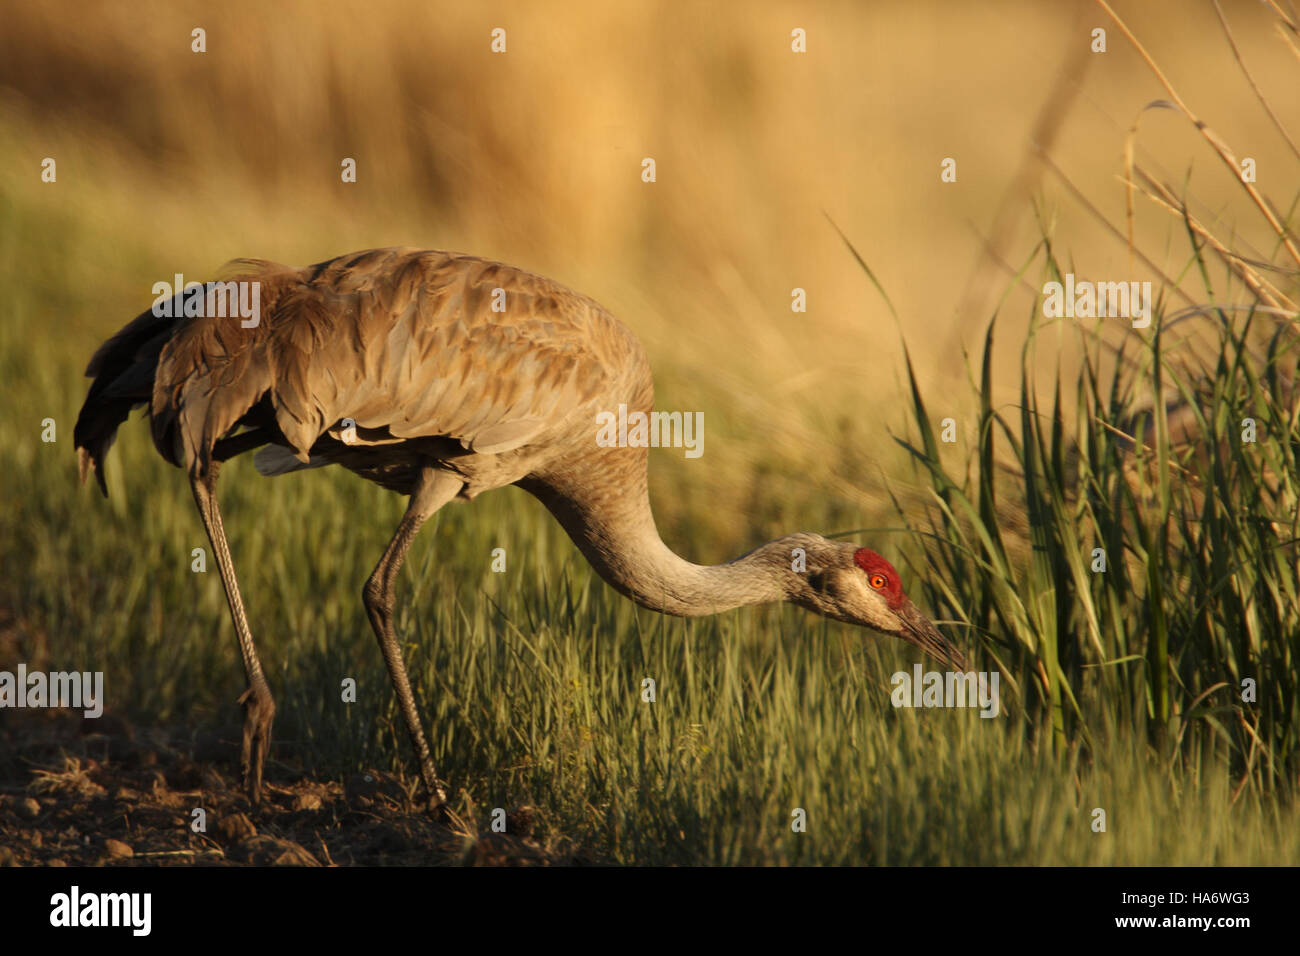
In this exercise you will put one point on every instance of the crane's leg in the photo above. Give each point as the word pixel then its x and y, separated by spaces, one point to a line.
pixel 259 708
pixel 434 489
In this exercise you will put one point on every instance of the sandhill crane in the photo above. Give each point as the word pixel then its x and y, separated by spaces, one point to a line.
pixel 458 375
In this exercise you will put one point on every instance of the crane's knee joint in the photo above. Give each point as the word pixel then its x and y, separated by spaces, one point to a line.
pixel 372 594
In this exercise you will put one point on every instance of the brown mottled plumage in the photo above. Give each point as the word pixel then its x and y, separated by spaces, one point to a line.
pixel 442 376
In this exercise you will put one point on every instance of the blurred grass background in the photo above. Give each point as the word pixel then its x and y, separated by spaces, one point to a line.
pixel 171 161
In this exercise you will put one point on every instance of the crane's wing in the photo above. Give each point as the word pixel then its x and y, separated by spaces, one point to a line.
pixel 404 343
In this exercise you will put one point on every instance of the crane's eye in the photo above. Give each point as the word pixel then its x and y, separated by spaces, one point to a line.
pixel 878 582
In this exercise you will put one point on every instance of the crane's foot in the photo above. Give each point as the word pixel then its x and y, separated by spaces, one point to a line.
pixel 438 807
pixel 444 814
pixel 259 712
pixel 435 788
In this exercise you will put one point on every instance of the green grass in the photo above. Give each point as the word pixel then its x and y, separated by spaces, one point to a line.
pixel 531 680
pixel 1200 591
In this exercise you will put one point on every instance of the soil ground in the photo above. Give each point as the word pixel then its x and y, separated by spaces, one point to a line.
pixel 77 792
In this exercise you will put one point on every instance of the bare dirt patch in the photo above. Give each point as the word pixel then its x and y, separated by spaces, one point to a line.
pixel 77 792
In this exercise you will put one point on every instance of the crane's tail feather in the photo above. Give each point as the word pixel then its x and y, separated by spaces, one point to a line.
pixel 198 376
pixel 123 370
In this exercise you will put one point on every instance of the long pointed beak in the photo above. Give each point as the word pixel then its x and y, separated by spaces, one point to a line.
pixel 919 630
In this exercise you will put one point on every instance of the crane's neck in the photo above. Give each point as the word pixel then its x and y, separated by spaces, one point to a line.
pixel 610 521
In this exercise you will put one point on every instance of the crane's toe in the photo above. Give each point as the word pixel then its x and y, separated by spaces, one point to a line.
pixel 444 814
pixel 259 713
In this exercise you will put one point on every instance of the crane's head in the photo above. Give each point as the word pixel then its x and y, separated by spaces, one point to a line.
pixel 855 585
